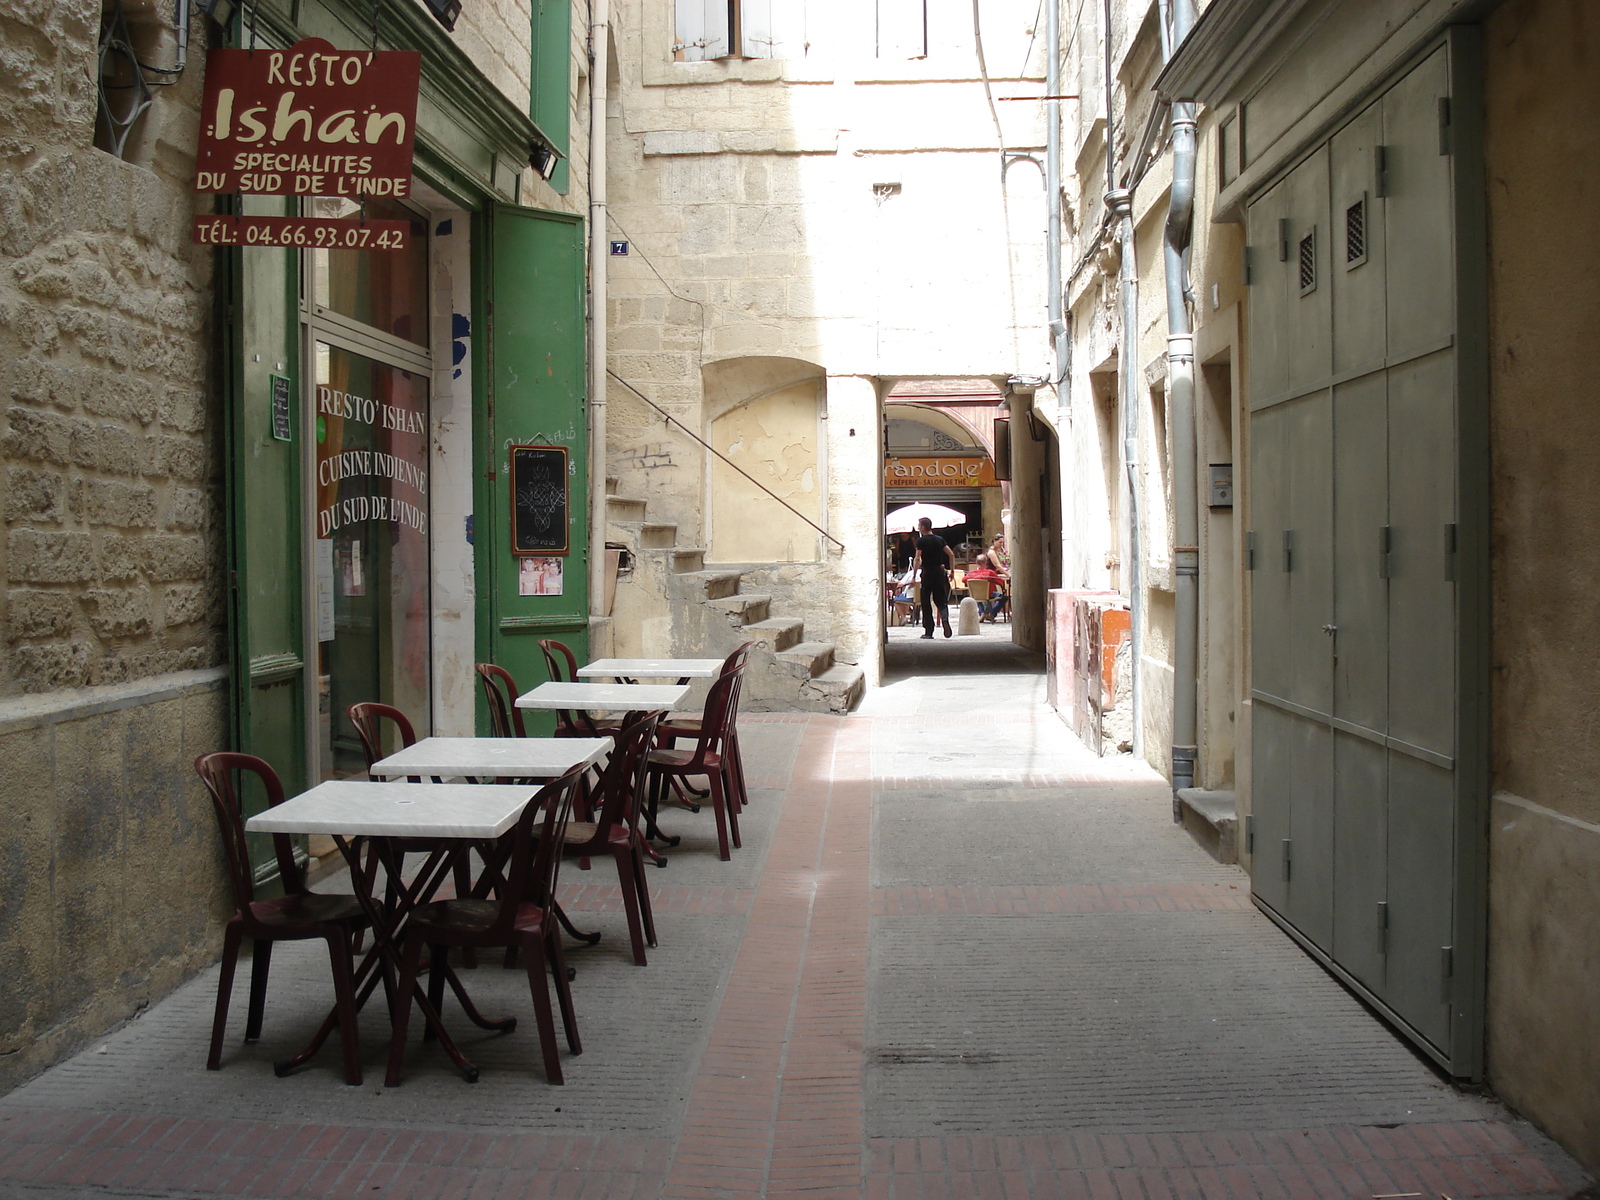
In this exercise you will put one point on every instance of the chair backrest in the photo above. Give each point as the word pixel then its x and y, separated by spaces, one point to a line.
pixel 219 772
pixel 536 850
pixel 722 703
pixel 622 783
pixel 368 718
pixel 978 589
pixel 500 693
pixel 562 666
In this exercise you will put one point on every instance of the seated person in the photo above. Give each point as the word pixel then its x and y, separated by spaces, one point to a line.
pixel 997 582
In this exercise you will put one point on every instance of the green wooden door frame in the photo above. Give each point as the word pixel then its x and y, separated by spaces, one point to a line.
pixel 530 375
pixel 259 290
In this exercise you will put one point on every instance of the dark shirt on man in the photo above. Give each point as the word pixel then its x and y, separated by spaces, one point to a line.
pixel 933 548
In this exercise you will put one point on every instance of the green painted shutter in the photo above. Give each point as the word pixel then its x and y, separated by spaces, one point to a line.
pixel 533 364
pixel 264 513
pixel 551 90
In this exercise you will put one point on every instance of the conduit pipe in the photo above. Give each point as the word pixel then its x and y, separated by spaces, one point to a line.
pixel 1119 203
pixel 1180 405
pixel 599 256
pixel 1052 187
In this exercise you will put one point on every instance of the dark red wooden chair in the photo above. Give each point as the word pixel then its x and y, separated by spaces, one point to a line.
pixel 710 757
pixel 615 830
pixel 298 915
pixel 522 917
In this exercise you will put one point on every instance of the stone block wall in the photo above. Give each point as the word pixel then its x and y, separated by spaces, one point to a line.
pixel 113 544
pixel 112 549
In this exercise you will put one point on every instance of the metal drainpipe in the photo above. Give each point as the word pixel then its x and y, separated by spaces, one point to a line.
pixel 599 36
pixel 1119 201
pixel 1180 399
pixel 1052 185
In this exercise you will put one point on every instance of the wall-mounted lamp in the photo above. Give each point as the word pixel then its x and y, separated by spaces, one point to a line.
pixel 221 12
pixel 446 11
pixel 543 158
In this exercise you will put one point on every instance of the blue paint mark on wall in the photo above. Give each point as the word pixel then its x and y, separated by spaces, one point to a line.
pixel 460 331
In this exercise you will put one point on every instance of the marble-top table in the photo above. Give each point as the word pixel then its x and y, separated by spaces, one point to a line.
pixel 681 669
pixel 359 807
pixel 605 697
pixel 502 758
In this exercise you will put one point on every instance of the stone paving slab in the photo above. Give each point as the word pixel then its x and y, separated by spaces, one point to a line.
pixel 803 1028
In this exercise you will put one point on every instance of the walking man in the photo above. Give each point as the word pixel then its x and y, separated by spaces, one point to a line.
pixel 935 559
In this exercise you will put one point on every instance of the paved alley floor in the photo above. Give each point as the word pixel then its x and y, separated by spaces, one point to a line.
pixel 958 956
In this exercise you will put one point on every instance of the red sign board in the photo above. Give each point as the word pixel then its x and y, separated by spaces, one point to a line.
pixel 311 233
pixel 308 121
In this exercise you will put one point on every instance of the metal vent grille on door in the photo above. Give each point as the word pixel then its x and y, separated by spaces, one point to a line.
pixel 1308 262
pixel 1355 233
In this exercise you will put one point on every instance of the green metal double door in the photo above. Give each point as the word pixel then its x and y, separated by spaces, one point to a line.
pixel 1367 559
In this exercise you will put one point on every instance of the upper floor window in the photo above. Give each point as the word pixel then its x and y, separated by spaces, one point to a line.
pixel 710 29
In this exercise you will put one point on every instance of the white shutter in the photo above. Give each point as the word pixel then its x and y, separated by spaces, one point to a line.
pixel 902 29
pixel 773 28
pixel 702 29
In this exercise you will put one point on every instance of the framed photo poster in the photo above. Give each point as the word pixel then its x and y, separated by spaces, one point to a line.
pixel 539 500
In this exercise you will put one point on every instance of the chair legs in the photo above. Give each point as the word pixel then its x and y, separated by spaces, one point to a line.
pixel 219 1023
pixel 635 898
pixel 533 954
pixel 410 967
pixel 260 965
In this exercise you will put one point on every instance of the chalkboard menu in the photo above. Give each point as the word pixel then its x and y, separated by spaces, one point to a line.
pixel 539 500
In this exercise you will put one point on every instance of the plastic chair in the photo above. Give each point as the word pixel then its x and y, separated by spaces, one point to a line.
pixel 521 917
pixel 675 729
pixel 615 830
pixel 500 693
pixel 298 915
pixel 562 666
pixel 712 756
pixel 368 719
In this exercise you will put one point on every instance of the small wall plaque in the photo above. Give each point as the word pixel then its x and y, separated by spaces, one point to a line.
pixel 539 500
pixel 282 429
pixel 1221 485
pixel 619 249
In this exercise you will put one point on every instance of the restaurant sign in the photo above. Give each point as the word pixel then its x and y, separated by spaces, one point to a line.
pixel 308 121
pixel 966 471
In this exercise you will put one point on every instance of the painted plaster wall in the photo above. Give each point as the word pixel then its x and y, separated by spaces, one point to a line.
pixel 1095 539
pixel 773 439
pixel 746 189
pixel 1544 1043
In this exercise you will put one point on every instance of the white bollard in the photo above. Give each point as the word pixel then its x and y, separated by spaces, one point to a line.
pixel 967 622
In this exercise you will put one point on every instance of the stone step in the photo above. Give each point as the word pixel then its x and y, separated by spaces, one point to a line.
pixel 1211 818
pixel 710 585
pixel 808 659
pixel 655 535
pixel 687 559
pixel 840 687
pixel 624 508
pixel 778 634
pixel 742 609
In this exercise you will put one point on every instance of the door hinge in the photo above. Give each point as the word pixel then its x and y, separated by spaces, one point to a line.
pixel 1450 553
pixel 1385 545
pixel 1445 141
pixel 1380 171
pixel 1283 239
pixel 1288 550
pixel 1383 927
pixel 1250 550
pixel 1288 859
pixel 1250 833
pixel 1244 264
pixel 1447 970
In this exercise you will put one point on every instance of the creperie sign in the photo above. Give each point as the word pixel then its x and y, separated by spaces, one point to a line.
pixel 308 121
